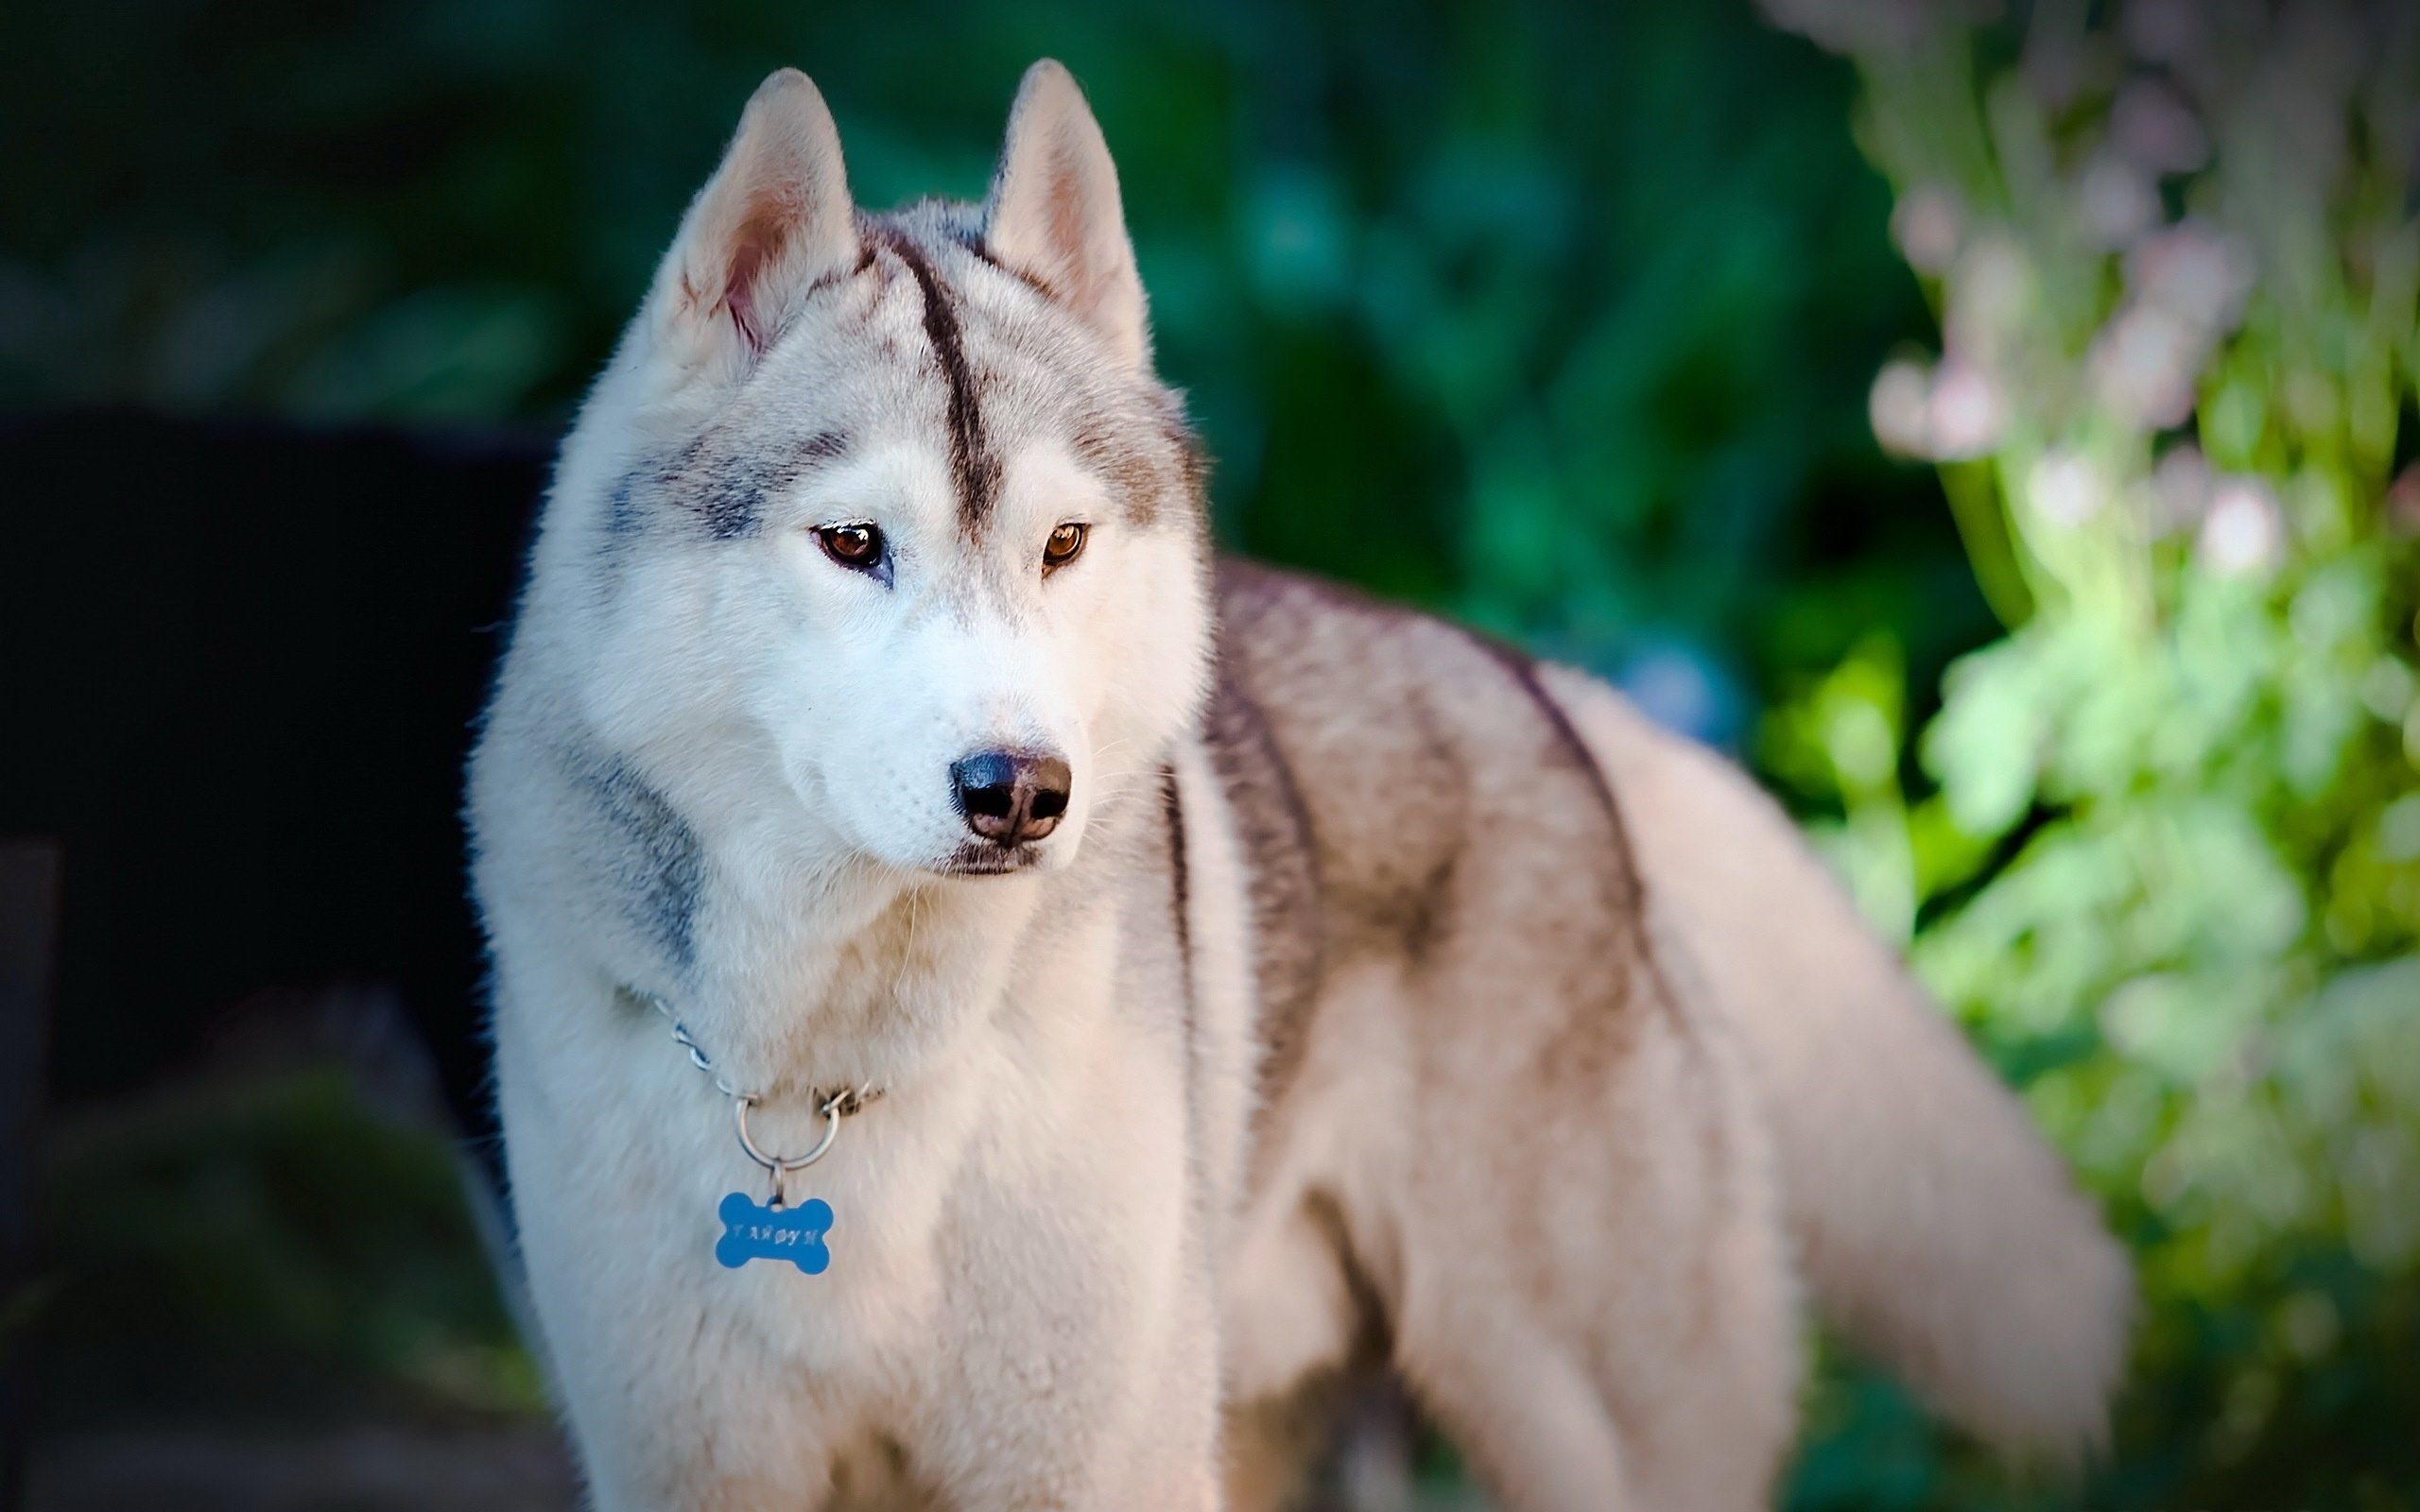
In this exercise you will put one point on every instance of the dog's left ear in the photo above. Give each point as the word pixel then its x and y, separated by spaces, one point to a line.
pixel 1054 212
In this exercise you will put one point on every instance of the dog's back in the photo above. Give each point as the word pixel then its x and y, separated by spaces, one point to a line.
pixel 1495 1136
pixel 1571 980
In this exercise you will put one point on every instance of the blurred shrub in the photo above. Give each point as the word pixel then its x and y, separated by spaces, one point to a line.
pixel 2161 845
pixel 1555 314
pixel 274 1246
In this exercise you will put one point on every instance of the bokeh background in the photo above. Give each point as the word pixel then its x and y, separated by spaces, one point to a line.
pixel 1994 424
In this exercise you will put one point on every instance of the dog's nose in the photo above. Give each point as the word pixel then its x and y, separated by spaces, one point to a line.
pixel 1011 795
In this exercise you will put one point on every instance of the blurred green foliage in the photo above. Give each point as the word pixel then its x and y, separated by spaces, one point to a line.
pixel 1563 319
pixel 2163 850
pixel 1558 316
pixel 272 1246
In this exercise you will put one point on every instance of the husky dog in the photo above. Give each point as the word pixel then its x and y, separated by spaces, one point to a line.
pixel 1206 986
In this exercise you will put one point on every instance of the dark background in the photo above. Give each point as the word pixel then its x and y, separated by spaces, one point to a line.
pixel 1563 319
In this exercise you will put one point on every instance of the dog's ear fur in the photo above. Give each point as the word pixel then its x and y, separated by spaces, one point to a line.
pixel 774 219
pixel 1054 212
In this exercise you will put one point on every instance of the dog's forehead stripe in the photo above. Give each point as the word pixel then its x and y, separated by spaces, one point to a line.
pixel 975 471
pixel 723 483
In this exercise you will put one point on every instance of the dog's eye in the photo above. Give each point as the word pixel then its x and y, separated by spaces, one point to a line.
pixel 1064 545
pixel 858 545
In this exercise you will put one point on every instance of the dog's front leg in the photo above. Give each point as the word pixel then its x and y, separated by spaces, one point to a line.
pixel 675 1377
pixel 1079 1368
pixel 1091 1420
pixel 747 1440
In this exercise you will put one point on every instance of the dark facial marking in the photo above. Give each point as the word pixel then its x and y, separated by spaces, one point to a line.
pixel 724 492
pixel 653 863
pixel 1193 463
pixel 725 495
pixel 973 470
pixel 1127 470
pixel 822 447
pixel 625 513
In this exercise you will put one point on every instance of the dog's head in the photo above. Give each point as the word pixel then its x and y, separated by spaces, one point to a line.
pixel 894 506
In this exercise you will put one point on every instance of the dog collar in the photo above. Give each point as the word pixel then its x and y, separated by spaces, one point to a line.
pixel 833 1104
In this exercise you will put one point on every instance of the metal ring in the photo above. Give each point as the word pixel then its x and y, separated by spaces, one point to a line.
pixel 779 1163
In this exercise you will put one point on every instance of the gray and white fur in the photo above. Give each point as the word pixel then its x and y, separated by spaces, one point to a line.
pixel 1368 999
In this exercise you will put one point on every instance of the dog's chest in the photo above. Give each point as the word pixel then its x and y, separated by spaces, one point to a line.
pixel 847 1277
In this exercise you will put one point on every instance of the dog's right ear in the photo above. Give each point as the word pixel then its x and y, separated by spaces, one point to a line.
pixel 774 219
pixel 1055 216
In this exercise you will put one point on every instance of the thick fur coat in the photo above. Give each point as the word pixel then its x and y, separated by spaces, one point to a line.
pixel 1380 1002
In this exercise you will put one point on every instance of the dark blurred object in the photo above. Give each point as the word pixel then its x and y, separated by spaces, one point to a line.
pixel 244 659
pixel 382 1467
pixel 29 947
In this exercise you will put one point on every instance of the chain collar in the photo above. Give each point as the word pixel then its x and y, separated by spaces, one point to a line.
pixel 832 1105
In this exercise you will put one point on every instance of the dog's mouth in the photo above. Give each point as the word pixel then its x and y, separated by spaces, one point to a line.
pixel 982 858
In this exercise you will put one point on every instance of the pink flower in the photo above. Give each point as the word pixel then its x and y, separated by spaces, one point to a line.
pixel 1948 415
pixel 2194 271
pixel 2187 287
pixel 1926 224
pixel 2145 365
pixel 1991 297
pixel 2244 531
pixel 1965 414
pixel 2152 127
pixel 2065 488
pixel 1898 408
pixel 2116 202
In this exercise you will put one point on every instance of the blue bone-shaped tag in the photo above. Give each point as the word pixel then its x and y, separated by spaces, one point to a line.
pixel 752 1230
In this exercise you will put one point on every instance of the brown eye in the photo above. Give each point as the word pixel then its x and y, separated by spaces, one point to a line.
pixel 858 545
pixel 1064 545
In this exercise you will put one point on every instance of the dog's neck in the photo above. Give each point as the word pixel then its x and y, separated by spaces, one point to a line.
pixel 803 965
pixel 854 974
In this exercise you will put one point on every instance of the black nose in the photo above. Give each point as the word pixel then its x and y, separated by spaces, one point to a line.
pixel 1011 795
